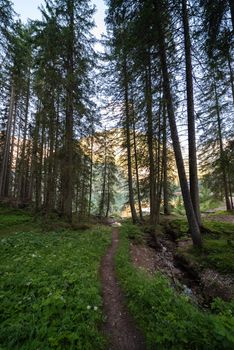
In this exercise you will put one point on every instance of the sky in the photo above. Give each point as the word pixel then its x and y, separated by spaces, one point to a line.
pixel 29 9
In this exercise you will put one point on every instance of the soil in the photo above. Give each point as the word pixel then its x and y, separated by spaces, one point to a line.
pixel 150 260
pixel 119 325
pixel 200 286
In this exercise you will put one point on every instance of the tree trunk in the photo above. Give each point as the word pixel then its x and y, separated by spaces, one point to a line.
pixel 39 167
pixel 193 177
pixel 159 172
pixel 34 157
pixel 56 152
pixel 231 4
pixel 12 156
pixel 136 162
pixel 6 153
pixel 230 190
pixel 83 201
pixel 150 136
pixel 222 153
pixel 231 73
pixel 128 142
pixel 17 162
pixel 165 165
pixel 91 173
pixel 108 194
pixel 23 162
pixel 192 220
pixel 68 166
pixel 103 195
pixel 50 190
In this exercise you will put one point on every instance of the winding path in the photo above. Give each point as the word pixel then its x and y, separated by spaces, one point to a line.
pixel 119 325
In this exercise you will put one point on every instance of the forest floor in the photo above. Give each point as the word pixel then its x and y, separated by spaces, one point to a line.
pixel 221 216
pixel 201 284
pixel 70 287
pixel 205 273
pixel 167 299
pixel 119 325
pixel 50 296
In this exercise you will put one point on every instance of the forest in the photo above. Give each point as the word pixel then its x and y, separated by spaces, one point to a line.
pixel 117 176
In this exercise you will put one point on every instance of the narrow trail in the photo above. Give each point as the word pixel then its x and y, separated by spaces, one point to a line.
pixel 119 325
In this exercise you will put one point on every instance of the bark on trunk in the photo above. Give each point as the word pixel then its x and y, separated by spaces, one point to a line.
pixel 231 73
pixel 68 166
pixel 34 157
pixel 23 161
pixel 91 174
pixel 192 220
pixel 231 4
pixel 39 168
pixel 193 177
pixel 12 158
pixel 50 190
pixel 222 153
pixel 108 195
pixel 6 153
pixel 102 201
pixel 159 172
pixel 128 142
pixel 165 164
pixel 152 180
pixel 136 162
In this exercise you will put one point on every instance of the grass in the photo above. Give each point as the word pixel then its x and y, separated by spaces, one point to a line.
pixel 216 254
pixel 133 232
pixel 169 320
pixel 14 220
pixel 218 245
pixel 223 212
pixel 220 228
pixel 50 289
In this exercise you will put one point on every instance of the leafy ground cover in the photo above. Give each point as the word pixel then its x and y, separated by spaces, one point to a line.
pixel 223 212
pixel 50 290
pixel 13 219
pixel 218 245
pixel 169 320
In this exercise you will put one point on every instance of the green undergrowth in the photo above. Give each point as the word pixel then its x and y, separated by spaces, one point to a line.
pixel 210 227
pixel 12 220
pixel 21 220
pixel 218 245
pixel 134 232
pixel 220 228
pixel 50 290
pixel 223 213
pixel 169 320
pixel 215 254
pixel 179 227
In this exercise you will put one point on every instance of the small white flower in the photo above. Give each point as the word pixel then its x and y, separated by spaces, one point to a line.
pixel 95 308
pixel 33 255
pixel 88 307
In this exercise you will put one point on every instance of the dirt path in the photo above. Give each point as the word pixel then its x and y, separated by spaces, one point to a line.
pixel 119 325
